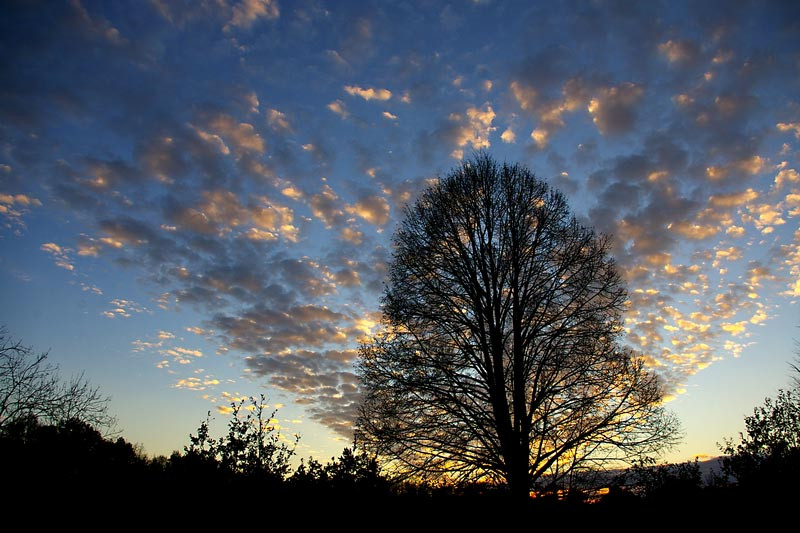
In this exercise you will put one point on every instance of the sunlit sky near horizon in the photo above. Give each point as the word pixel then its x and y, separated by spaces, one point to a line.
pixel 197 198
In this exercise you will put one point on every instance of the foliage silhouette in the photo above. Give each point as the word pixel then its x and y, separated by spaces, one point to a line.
pixel 662 483
pixel 768 454
pixel 80 469
pixel 251 449
pixel 499 358
pixel 31 387
pixel 353 474
pixel 70 460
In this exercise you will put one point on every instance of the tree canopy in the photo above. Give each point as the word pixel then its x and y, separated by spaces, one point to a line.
pixel 500 357
pixel 768 453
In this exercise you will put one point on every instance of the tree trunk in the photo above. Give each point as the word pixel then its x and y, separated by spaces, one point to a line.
pixel 518 473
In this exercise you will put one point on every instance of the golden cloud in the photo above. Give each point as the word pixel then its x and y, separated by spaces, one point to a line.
pixel 60 255
pixel 246 12
pixel 787 175
pixel 734 199
pixel 278 120
pixel 368 93
pixel 374 209
pixel 351 235
pixel 475 130
pixel 241 135
pixel 693 230
pixel 338 107
pixel 789 127
pixel 678 51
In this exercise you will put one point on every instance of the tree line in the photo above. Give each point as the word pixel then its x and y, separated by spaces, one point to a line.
pixel 75 460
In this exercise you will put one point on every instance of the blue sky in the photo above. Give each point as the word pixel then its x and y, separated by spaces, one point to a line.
pixel 197 198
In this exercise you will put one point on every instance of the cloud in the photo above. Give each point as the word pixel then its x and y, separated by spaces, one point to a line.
pixel 246 12
pixel 356 44
pixel 347 278
pixel 575 93
pixel 338 107
pixel 679 51
pixel 328 207
pixel 221 212
pixel 129 231
pixel 694 231
pixel 97 26
pixel 14 208
pixel 764 216
pixel 613 110
pixel 733 199
pixel 735 231
pixel 731 253
pixel 196 384
pixel 214 140
pixel 320 382
pixel 789 127
pixel 306 276
pixel 92 289
pixel 278 120
pixel 374 209
pixel 526 96
pixel 60 255
pixel 473 129
pixel 164 157
pixel 179 352
pixel 352 235
pixel 786 175
pixel 368 93
pixel 108 174
pixel 251 101
pixel 121 308
pixel 241 135
pixel 266 330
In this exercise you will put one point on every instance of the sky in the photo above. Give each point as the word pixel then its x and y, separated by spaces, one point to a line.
pixel 197 198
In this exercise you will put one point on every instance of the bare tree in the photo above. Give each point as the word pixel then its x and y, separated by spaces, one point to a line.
pixel 31 387
pixel 500 356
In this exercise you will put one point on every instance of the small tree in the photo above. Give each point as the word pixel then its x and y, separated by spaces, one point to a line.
pixel 768 455
pixel 252 447
pixel 31 387
pixel 500 357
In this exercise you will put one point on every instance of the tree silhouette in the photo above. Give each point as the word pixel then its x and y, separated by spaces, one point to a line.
pixel 768 455
pixel 500 357
pixel 70 459
pixel 31 387
pixel 252 448
pixel 352 475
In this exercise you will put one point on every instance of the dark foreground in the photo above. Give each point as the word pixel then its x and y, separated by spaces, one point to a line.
pixel 70 474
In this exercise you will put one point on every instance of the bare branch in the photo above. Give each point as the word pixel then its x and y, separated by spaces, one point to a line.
pixel 31 387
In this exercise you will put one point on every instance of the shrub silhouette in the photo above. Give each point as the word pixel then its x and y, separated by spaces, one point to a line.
pixel 767 456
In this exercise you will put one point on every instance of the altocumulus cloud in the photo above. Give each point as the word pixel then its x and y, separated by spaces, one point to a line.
pixel 248 160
